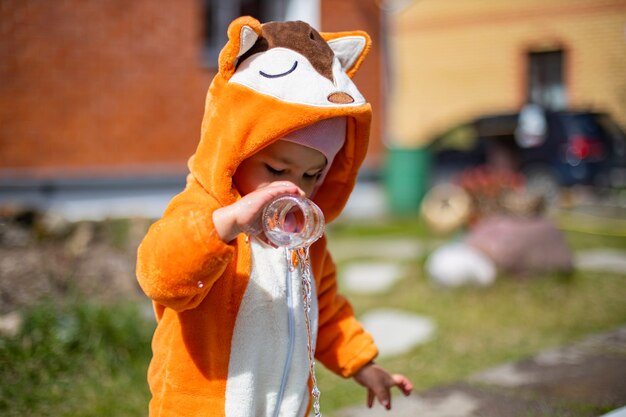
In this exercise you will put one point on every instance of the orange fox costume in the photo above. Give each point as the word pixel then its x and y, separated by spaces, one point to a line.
pixel 229 340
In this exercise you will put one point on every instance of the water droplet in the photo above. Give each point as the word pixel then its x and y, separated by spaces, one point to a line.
pixel 200 284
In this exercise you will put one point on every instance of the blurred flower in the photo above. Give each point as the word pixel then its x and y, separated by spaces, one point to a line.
pixel 495 191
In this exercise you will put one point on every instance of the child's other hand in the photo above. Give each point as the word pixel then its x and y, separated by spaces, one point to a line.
pixel 244 216
pixel 379 383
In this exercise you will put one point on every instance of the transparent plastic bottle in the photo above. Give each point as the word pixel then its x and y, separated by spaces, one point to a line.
pixel 291 221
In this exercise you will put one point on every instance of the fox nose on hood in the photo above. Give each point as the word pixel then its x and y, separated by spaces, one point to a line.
pixel 340 97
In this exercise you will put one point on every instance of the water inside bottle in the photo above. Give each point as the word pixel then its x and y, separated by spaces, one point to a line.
pixel 292 222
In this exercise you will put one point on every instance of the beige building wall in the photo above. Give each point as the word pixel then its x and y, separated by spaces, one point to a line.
pixel 454 60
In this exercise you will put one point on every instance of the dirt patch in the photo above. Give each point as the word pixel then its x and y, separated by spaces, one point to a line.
pixel 42 257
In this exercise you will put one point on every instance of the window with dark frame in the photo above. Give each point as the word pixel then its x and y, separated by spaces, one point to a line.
pixel 546 86
pixel 217 15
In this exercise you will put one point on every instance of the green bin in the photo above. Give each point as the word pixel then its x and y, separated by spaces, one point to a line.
pixel 406 175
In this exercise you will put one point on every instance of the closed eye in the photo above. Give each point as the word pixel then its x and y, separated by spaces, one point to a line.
pixel 315 175
pixel 273 170
pixel 282 74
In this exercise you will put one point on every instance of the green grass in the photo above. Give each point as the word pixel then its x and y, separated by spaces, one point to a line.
pixel 586 231
pixel 90 359
pixel 80 359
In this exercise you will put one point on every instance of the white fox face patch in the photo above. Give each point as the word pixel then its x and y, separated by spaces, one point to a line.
pixel 294 63
pixel 289 76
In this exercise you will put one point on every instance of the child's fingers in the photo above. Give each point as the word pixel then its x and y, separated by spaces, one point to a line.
pixel 256 200
pixel 284 187
pixel 370 398
pixel 264 195
pixel 403 383
pixel 383 393
pixel 384 397
pixel 247 211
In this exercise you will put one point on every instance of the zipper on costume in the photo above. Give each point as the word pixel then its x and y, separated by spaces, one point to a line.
pixel 291 330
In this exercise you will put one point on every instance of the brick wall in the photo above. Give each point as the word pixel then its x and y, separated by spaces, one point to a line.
pixel 456 60
pixel 115 87
pixel 349 15
pixel 103 86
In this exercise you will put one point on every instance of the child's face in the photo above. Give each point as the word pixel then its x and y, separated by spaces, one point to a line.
pixel 280 161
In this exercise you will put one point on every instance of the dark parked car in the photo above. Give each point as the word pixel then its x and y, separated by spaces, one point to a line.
pixel 571 148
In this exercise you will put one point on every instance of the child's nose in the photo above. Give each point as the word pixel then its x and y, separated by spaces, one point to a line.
pixel 304 185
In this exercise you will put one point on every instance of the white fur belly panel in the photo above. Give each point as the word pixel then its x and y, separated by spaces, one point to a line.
pixel 269 368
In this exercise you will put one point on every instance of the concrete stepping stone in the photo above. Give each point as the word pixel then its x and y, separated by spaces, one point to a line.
pixel 370 277
pixel 396 331
pixel 603 260
pixel 457 404
pixel 620 412
pixel 367 201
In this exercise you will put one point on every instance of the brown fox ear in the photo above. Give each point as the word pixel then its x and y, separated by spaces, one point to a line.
pixel 243 32
pixel 350 48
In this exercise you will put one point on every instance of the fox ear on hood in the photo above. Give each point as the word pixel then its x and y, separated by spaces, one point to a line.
pixel 350 48
pixel 243 32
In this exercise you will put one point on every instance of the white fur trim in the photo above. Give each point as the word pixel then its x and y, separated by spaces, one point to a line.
pixel 260 344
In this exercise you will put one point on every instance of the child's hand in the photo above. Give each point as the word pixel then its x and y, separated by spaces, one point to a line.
pixel 244 216
pixel 379 382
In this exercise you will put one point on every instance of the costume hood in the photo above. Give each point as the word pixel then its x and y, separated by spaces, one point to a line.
pixel 275 78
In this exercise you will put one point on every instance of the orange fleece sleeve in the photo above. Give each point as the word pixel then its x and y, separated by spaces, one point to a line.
pixel 343 346
pixel 182 256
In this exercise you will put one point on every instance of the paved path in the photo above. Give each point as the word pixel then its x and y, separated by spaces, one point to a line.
pixel 586 379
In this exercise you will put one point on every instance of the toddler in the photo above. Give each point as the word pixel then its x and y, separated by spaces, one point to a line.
pixel 282 117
